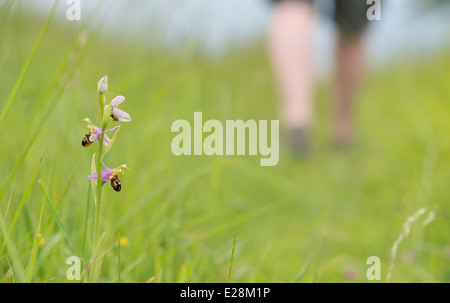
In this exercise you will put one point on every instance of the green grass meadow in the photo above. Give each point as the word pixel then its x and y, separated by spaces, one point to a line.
pixel 316 219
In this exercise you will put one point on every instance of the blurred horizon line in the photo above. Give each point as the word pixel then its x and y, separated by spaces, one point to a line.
pixel 220 26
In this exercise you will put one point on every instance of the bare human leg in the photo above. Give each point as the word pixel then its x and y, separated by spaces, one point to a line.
pixel 291 47
pixel 350 59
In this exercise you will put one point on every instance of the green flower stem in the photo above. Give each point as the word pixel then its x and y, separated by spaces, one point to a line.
pixel 101 99
pixel 99 174
pixel 99 190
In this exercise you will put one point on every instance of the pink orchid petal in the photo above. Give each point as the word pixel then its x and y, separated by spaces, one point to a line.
pixel 117 100
pixel 121 115
pixel 106 139
pixel 111 129
pixel 106 174
pixel 93 138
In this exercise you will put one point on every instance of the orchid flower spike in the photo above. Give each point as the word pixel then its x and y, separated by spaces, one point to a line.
pixel 93 134
pixel 111 175
pixel 117 114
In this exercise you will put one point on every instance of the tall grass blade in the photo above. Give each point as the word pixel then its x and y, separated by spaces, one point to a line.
pixel 44 117
pixel 11 270
pixel 118 253
pixel 302 272
pixel 27 64
pixel 318 261
pixel 96 262
pixel 18 269
pixel 88 204
pixel 9 200
pixel 405 232
pixel 66 189
pixel 56 217
pixel 22 202
pixel 7 276
pixel 231 259
pixel 6 6
pixel 34 250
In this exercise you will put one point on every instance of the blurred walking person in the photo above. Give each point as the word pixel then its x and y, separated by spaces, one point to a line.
pixel 291 46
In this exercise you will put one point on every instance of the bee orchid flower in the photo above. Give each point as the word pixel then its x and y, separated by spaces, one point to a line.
pixel 110 175
pixel 93 134
pixel 118 114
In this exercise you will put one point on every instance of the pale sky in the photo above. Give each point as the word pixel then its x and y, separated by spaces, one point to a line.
pixel 221 24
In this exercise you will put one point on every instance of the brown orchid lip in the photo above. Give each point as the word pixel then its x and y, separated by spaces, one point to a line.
pixel 114 118
pixel 116 183
pixel 86 142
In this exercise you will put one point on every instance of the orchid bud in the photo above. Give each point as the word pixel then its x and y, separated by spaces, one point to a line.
pixel 103 85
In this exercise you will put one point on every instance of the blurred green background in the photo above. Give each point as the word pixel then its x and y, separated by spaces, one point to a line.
pixel 304 220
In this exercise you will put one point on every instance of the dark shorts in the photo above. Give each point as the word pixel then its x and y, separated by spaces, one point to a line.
pixel 350 15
